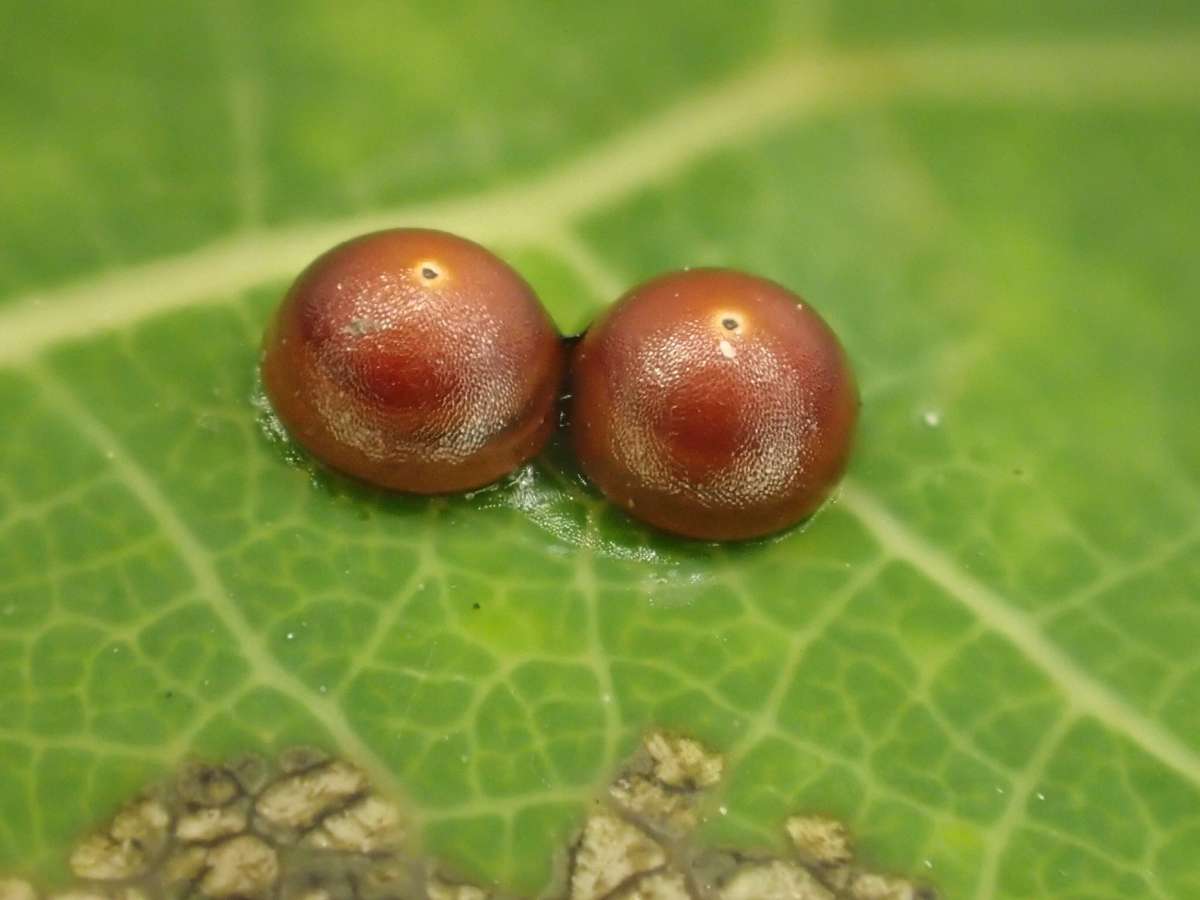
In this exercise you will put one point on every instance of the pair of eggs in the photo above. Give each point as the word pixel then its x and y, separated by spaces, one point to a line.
pixel 709 403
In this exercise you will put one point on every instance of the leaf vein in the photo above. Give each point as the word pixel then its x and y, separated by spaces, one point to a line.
pixel 1083 691
pixel 728 114
pixel 199 563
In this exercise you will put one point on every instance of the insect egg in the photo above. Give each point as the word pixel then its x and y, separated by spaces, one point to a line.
pixel 713 404
pixel 414 360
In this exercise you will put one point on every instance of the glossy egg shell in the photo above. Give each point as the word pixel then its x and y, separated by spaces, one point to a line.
pixel 414 360
pixel 713 404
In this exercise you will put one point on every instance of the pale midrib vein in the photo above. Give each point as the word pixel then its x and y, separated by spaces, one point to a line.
pixel 1084 693
pixel 1134 71
pixel 198 561
pixel 518 212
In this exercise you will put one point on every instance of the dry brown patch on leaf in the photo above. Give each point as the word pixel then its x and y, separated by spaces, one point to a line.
pixel 610 852
pixel 101 892
pixel 365 826
pixel 127 847
pixel 682 762
pixel 658 886
pixel 445 890
pixel 308 827
pixel 244 866
pixel 820 840
pixel 648 800
pixel 774 880
pixel 299 800
pixel 184 865
pixel 206 785
pixel 205 825
pixel 16 889
pixel 868 886
pixel 232 831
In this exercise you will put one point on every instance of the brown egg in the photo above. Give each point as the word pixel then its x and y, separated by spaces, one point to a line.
pixel 414 360
pixel 713 404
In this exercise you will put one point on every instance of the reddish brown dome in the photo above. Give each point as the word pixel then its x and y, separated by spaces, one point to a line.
pixel 713 404
pixel 414 360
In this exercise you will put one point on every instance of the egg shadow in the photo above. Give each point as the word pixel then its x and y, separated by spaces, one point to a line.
pixel 551 491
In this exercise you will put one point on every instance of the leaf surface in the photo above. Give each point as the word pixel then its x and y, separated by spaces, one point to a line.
pixel 982 654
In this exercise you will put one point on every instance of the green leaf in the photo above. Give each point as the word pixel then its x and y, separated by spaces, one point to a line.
pixel 982 655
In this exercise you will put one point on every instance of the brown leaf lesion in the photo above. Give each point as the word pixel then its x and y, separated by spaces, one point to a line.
pixel 308 826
